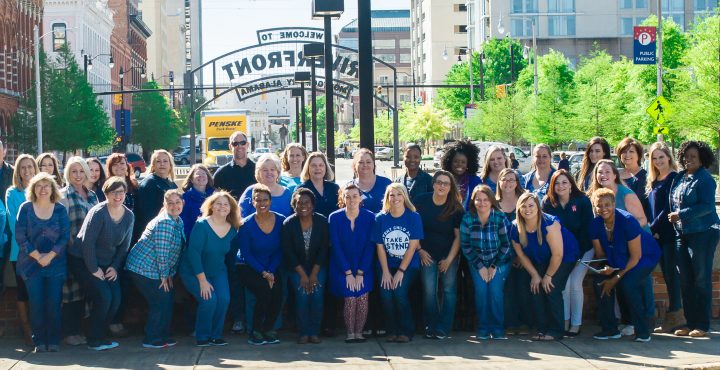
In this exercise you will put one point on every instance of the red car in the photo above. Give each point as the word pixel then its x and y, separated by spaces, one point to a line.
pixel 135 160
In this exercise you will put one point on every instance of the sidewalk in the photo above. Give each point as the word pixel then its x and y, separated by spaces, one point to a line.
pixel 459 352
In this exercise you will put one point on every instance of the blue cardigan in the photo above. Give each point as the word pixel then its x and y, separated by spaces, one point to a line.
pixel 191 209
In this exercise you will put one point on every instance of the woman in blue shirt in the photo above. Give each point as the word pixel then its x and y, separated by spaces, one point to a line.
pixel 202 266
pixel 485 242
pixel 25 169
pixel 397 234
pixel 258 259
pixel 318 177
pixel 548 252
pixel 631 254
pixel 198 186
pixel 574 210
pixel 267 172
pixel 496 160
pixel 692 201
pixel 152 264
pixel 538 180
pixel 372 187
pixel 661 172
pixel 293 160
pixel 351 259
pixel 42 232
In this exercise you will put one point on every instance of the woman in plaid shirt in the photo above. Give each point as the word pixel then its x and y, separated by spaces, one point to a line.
pixel 485 242
pixel 78 200
pixel 153 262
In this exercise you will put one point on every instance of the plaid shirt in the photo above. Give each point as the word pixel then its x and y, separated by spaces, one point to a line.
pixel 77 208
pixel 157 253
pixel 486 245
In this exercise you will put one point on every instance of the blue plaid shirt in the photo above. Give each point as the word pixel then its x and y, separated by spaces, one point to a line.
pixel 157 253
pixel 486 245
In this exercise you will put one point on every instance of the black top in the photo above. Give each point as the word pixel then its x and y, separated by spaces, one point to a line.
pixel 235 179
pixel 659 207
pixel 6 179
pixel 422 183
pixel 149 201
pixel 637 184
pixel 576 216
pixel 326 203
pixel 439 235
pixel 293 243
pixel 564 165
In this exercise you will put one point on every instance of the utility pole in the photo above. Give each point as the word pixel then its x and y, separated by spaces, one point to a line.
pixel 659 55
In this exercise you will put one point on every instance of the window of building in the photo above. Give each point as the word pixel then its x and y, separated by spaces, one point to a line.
pixel 460 7
pixel 524 6
pixel 561 25
pixel 350 43
pixel 387 58
pixel 561 6
pixel 405 44
pixel 705 5
pixel 384 44
pixel 673 5
pixel 59 35
pixel 626 4
pixel 404 58
pixel 626 26
pixel 641 4
pixel 383 79
pixel 460 28
pixel 521 27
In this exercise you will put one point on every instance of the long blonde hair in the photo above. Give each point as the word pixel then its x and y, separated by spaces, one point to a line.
pixel 520 219
pixel 486 162
pixel 653 173
pixel 403 190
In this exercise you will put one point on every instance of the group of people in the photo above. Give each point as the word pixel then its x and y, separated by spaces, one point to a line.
pixel 255 240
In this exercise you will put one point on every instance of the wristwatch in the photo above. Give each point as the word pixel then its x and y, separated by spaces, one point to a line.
pixel 618 276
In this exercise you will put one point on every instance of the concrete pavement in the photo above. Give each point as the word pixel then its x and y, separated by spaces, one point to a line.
pixel 459 352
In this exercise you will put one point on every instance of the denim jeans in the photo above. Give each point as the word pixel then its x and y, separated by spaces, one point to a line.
pixel 518 301
pixel 396 304
pixel 160 308
pixel 695 254
pixel 489 300
pixel 210 318
pixel 632 288
pixel 439 310
pixel 574 295
pixel 105 296
pixel 309 306
pixel 45 294
pixel 549 307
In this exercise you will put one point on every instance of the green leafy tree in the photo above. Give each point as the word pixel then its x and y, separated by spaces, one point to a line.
pixel 154 124
pixel 503 119
pixel 424 122
pixel 496 71
pixel 382 128
pixel 24 126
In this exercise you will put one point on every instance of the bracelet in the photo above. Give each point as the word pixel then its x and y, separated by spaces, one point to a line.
pixel 618 276
pixel 348 274
pixel 401 269
pixel 548 275
pixel 360 273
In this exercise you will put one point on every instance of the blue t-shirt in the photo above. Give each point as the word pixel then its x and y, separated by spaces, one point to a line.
pixel 395 235
pixel 372 200
pixel 541 253
pixel 626 228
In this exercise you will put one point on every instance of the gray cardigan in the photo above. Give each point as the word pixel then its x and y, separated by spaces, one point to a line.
pixel 102 241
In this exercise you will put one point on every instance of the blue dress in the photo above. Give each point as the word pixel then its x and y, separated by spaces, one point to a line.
pixel 351 250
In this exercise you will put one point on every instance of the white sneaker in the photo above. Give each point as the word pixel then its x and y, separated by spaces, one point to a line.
pixel 627 331
pixel 238 327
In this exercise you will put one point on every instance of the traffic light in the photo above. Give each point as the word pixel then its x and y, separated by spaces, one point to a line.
pixel 501 91
pixel 379 90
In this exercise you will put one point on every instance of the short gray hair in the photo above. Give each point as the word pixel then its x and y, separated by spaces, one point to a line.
pixel 267 157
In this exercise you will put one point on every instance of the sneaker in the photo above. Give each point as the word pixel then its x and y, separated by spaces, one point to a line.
pixel 202 343
pixel 271 337
pixel 111 345
pixel 499 336
pixel 218 342
pixel 238 327
pixel 643 340
pixel 103 346
pixel 256 339
pixel 155 345
pixel 604 335
pixel 73 340
pixel 483 335
pixel 53 348
pixel 440 335
pixel 627 331
pixel 429 333
pixel 170 342
pixel 40 349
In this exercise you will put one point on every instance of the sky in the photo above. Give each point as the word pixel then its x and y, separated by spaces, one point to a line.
pixel 231 24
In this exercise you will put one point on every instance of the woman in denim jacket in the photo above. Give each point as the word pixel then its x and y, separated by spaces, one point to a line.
pixel 692 202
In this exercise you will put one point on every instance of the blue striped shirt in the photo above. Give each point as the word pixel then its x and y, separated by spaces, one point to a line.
pixel 486 245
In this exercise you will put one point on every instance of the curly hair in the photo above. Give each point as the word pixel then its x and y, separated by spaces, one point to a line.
pixel 465 148
pixel 707 158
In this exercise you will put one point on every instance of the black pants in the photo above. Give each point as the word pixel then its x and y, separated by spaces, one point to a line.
pixel 268 300
pixel 549 307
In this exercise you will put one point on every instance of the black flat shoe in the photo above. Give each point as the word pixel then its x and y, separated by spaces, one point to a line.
pixel 572 334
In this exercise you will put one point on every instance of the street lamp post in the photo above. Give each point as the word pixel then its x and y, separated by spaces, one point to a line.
pixel 123 128
pixel 501 30
pixel 87 62
pixel 302 78
pixel 313 52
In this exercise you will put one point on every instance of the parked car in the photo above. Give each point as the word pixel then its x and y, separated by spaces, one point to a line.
pixel 556 156
pixel 258 152
pixel 383 153
pixel 135 160
pixel 576 162
pixel 183 157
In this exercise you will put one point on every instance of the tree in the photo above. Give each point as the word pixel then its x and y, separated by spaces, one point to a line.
pixel 24 126
pixel 154 124
pixel 382 128
pixel 422 122
pixel 502 120
pixel 550 118
pixel 73 107
pixel 496 71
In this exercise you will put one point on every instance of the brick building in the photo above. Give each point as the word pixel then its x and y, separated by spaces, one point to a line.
pixel 17 19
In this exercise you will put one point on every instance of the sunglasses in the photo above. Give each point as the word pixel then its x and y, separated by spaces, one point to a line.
pixel 236 143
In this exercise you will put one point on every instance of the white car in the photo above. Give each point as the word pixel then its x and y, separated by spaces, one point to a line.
pixel 383 153
pixel 258 152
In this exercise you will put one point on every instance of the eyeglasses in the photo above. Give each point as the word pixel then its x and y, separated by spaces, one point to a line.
pixel 236 143
pixel 117 193
pixel 442 183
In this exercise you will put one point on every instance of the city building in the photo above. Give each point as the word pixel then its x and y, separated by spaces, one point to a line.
pixel 575 27
pixel 85 26
pixel 17 19
pixel 391 30
pixel 439 36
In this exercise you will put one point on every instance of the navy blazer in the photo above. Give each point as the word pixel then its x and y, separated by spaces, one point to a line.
pixel 697 202
pixel 422 184
pixel 293 244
